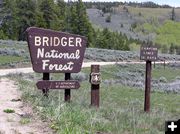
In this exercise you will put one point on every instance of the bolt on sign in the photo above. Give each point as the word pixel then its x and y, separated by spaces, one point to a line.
pixel 55 52
pixel 148 53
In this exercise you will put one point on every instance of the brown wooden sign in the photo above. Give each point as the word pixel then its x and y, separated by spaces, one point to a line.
pixel 149 53
pixel 69 84
pixel 55 52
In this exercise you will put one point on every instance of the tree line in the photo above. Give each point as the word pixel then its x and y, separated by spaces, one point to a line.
pixel 17 15
pixel 107 6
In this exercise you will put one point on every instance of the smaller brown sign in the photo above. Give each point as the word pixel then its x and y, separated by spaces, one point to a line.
pixel 149 53
pixel 95 78
pixel 69 84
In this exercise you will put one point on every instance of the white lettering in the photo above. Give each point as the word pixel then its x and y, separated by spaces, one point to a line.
pixel 57 67
pixel 45 64
pixel 45 41
pixel 71 41
pixel 78 42
pixel 51 41
pixel 64 41
pixel 37 41
pixel 56 41
pixel 56 55
pixel 40 53
pixel 77 54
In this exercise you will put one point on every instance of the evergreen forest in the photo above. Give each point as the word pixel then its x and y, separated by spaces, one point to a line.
pixel 17 15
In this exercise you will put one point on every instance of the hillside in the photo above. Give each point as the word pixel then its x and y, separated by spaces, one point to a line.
pixel 145 24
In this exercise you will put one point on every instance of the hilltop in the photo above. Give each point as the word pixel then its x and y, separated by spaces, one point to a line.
pixel 155 24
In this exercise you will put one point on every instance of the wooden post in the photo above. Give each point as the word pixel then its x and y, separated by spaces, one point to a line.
pixel 67 92
pixel 154 64
pixel 147 87
pixel 45 90
pixel 164 64
pixel 95 85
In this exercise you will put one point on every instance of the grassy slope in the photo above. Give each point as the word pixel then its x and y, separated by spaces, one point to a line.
pixel 121 109
pixel 155 20
pixel 167 32
pixel 10 59
pixel 169 73
pixel 150 12
pixel 13 53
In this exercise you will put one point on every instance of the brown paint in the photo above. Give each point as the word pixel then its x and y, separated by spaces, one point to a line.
pixel 55 52
pixel 148 53
pixel 45 90
pixel 147 86
pixel 67 92
pixel 58 84
pixel 95 87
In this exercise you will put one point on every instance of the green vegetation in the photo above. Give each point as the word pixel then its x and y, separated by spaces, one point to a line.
pixel 169 73
pixel 149 12
pixel 121 107
pixel 111 40
pixel 9 111
pixel 59 15
pixel 13 54
pixel 24 121
pixel 168 33
pixel 9 59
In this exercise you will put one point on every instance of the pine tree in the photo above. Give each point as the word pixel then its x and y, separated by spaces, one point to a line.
pixel 47 7
pixel 164 49
pixel 173 14
pixel 9 19
pixel 61 13
pixel 178 50
pixel 79 23
pixel 26 12
pixel 172 49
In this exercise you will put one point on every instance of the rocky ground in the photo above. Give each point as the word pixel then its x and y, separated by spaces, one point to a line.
pixel 15 116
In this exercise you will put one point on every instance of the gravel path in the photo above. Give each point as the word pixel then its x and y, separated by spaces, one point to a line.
pixel 4 72
pixel 12 123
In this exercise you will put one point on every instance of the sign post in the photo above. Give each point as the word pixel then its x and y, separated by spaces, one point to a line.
pixel 56 52
pixel 95 80
pixel 67 92
pixel 149 54
pixel 45 89
pixel 147 86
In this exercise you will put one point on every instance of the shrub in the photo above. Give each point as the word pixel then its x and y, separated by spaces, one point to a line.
pixel 163 80
pixel 9 111
pixel 134 25
pixel 122 25
pixel 79 76
pixel 108 19
pixel 177 77
pixel 164 49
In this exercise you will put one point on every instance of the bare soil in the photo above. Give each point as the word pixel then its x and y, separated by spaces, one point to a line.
pixel 23 120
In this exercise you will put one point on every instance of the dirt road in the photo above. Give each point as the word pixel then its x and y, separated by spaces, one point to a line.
pixel 4 72
pixel 22 121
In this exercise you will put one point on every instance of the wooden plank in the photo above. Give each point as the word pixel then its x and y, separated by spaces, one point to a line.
pixel 148 53
pixel 69 84
pixel 54 51
pixel 95 88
